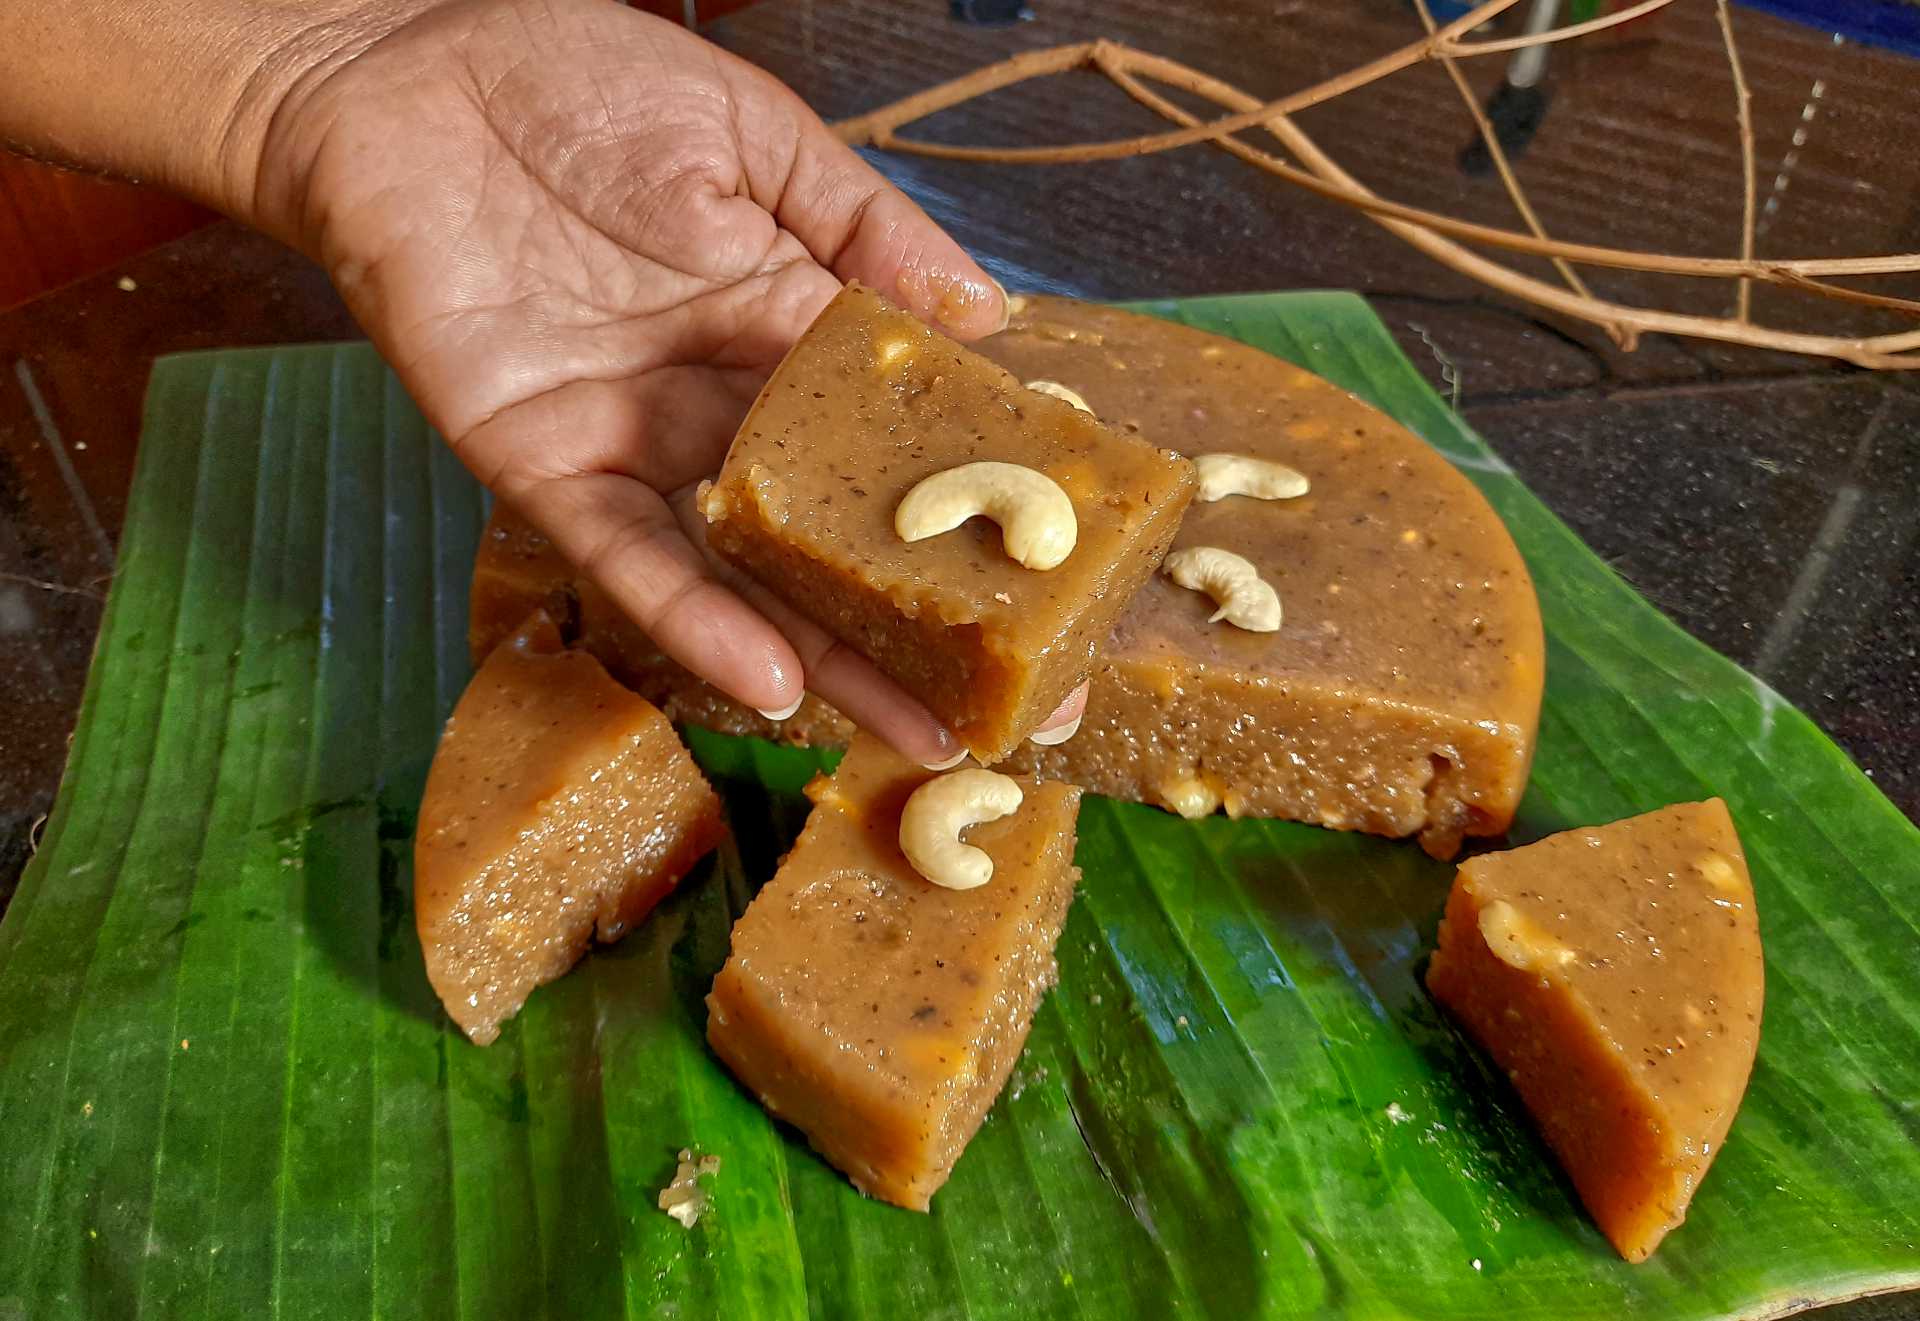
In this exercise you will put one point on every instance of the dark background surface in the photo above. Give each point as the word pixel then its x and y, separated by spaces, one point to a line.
pixel 1767 502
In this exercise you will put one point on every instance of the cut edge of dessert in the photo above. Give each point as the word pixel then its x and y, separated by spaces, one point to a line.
pixel 560 808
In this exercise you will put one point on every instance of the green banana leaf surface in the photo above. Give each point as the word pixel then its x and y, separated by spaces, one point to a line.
pixel 226 1089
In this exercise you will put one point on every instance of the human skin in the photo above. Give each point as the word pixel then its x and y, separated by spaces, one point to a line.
pixel 581 235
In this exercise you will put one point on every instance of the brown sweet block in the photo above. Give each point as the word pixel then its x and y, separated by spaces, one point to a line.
pixel 1400 694
pixel 517 571
pixel 1615 974
pixel 876 1011
pixel 868 404
pixel 559 807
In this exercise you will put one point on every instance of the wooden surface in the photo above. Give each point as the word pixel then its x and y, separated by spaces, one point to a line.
pixel 1767 502
pixel 57 226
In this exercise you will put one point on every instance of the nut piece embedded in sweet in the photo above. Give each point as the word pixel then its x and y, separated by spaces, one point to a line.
pixel 1222 475
pixel 1059 391
pixel 1520 942
pixel 936 813
pixel 1037 522
pixel 1719 873
pixel 1245 599
pixel 1191 796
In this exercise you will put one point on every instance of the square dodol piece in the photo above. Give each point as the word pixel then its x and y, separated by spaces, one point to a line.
pixel 870 405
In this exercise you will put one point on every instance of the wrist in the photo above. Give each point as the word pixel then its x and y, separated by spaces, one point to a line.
pixel 268 139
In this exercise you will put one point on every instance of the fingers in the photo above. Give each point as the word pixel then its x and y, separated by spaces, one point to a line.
pixel 621 534
pixel 861 227
pixel 834 672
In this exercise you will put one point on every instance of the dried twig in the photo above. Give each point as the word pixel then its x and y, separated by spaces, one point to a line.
pixel 869 130
pixel 1429 231
pixel 1499 154
pixel 1566 33
pixel 1743 105
pixel 91 590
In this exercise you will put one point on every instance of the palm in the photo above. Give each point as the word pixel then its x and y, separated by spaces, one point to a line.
pixel 583 238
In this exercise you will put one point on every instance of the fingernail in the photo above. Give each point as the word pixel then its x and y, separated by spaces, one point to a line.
pixel 1046 738
pixel 948 764
pixel 1006 304
pixel 785 712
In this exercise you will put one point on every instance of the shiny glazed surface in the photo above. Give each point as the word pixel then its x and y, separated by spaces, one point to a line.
pixel 878 1012
pixel 1615 973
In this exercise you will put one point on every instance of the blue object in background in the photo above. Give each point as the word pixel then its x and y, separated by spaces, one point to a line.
pixel 1889 24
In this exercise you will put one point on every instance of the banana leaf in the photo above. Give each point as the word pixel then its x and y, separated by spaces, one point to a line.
pixel 226 1089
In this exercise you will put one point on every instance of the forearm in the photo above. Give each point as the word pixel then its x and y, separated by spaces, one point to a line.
pixel 180 93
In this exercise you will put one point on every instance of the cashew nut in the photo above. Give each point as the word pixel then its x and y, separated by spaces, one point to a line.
pixel 1059 391
pixel 936 813
pixel 1036 519
pixel 1244 598
pixel 1222 475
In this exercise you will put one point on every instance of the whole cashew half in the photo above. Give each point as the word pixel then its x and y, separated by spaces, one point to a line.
pixel 1037 523
pixel 1222 475
pixel 1059 391
pixel 936 813
pixel 1244 598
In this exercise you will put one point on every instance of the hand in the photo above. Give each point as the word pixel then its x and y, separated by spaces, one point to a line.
pixel 584 237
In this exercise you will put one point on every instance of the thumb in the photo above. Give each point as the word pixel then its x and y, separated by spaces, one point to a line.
pixel 860 227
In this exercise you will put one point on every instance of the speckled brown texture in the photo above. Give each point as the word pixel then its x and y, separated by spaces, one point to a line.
pixel 1400 695
pixel 559 807
pixel 1618 981
pixel 876 1011
pixel 868 404
pixel 518 570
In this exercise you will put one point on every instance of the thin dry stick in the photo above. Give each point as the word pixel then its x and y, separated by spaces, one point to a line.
pixel 1499 155
pixel 1623 322
pixel 1743 103
pixel 875 129
pixel 1420 228
pixel 880 133
pixel 1566 33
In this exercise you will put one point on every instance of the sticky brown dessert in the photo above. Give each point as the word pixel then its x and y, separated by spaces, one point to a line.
pixel 560 807
pixel 517 571
pixel 1393 683
pixel 875 437
pixel 881 1013
pixel 1615 974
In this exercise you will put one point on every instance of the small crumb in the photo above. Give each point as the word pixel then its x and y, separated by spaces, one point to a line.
pixel 126 284
pixel 1476 1263
pixel 1397 1114
pixel 1180 1021
pixel 684 1199
pixel 1003 598
pixel 79 444
pixel 183 1043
